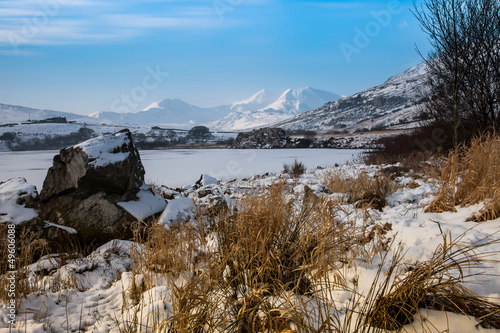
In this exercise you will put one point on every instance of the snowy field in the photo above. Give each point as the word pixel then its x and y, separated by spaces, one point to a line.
pixel 177 168
pixel 100 301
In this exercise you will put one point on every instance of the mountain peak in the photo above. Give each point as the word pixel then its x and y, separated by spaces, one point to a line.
pixel 255 102
pixel 295 102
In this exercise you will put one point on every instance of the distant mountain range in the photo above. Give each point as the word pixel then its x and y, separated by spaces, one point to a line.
pixel 394 104
pixel 168 112
pixel 262 109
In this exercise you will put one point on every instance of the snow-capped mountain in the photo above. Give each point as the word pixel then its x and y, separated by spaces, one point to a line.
pixel 258 101
pixel 298 101
pixel 15 113
pixel 246 115
pixel 171 112
pixel 393 104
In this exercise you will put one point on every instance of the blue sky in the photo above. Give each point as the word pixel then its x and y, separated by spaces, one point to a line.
pixel 83 56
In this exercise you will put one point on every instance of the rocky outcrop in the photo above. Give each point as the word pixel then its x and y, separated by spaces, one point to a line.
pixel 261 138
pixel 273 138
pixel 97 187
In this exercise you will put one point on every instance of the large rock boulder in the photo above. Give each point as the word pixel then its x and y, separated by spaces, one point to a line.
pixel 109 162
pixel 97 187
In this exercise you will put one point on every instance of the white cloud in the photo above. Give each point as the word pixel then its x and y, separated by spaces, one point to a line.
pixel 61 22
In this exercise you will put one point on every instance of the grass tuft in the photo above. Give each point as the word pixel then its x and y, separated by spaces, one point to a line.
pixel 362 191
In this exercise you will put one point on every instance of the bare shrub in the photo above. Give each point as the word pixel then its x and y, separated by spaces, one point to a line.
pixel 295 169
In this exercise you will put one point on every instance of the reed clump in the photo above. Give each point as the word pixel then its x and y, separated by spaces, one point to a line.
pixel 471 176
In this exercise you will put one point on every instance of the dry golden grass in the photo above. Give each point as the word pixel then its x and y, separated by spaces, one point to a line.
pixel 470 176
pixel 162 250
pixel 27 249
pixel 434 284
pixel 362 190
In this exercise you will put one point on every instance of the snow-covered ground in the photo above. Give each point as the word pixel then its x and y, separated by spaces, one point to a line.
pixel 100 302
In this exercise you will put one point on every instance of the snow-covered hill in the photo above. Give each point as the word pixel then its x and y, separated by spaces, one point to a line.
pixel 15 113
pixel 393 104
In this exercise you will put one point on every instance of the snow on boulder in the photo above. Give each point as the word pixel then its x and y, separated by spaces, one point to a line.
pixel 107 149
pixel 148 204
pixel 16 197
pixel 178 210
pixel 97 188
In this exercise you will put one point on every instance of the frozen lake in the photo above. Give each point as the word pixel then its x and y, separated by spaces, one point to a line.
pixel 176 168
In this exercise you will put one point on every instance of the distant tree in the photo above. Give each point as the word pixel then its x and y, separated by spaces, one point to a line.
pixel 199 133
pixel 86 133
pixel 8 136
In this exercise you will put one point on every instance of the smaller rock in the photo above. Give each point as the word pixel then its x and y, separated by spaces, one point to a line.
pixel 203 193
pixel 168 193
pixel 206 180
pixel 178 210
pixel 18 201
pixel 394 171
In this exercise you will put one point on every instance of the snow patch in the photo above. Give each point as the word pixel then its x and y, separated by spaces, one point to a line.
pixel 148 203
pixel 105 149
pixel 10 193
pixel 68 229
